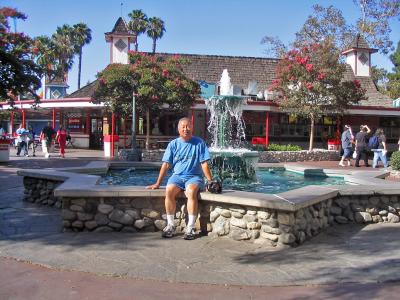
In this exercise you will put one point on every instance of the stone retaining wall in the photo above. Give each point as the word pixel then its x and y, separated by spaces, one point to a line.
pixel 268 156
pixel 41 191
pixel 152 155
pixel 237 222
pixel 272 226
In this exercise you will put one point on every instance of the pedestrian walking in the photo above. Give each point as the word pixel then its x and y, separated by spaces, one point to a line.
pixel 347 140
pixel 31 140
pixel 61 139
pixel 361 145
pixel 380 153
pixel 22 135
pixel 46 137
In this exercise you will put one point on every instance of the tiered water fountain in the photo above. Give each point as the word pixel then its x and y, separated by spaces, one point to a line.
pixel 231 161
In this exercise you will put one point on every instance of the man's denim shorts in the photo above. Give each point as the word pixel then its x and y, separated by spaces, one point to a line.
pixel 347 152
pixel 182 181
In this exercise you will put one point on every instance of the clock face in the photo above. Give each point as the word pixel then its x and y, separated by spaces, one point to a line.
pixel 363 58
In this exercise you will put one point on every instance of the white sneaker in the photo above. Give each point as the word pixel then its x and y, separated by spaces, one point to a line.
pixel 190 234
pixel 169 231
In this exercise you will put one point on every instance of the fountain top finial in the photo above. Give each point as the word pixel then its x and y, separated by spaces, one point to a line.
pixel 226 88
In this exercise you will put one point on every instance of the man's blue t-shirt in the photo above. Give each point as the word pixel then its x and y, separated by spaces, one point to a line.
pixel 186 157
pixel 346 139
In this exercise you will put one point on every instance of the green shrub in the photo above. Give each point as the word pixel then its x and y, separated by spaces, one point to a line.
pixel 289 147
pixel 395 160
pixel 258 147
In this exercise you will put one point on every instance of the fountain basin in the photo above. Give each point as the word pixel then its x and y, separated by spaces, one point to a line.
pixel 267 180
pixel 285 218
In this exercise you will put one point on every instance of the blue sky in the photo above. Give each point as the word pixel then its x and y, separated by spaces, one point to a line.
pixel 215 27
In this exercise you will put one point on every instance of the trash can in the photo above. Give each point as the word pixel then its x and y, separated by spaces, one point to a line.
pixel 108 143
pixel 334 144
pixel 4 150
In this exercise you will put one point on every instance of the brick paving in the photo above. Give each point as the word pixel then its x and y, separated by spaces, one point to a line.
pixel 30 239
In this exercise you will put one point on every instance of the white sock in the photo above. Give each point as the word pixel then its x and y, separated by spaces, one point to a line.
pixel 170 219
pixel 192 221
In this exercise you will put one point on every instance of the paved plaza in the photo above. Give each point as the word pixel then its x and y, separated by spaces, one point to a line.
pixel 37 259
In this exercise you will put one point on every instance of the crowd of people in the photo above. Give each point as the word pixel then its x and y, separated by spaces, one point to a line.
pixel 359 146
pixel 25 140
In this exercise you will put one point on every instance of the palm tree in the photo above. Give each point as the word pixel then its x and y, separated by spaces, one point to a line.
pixel 64 49
pixel 155 30
pixel 45 55
pixel 137 24
pixel 82 36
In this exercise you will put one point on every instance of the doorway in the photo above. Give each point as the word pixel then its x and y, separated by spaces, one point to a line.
pixel 96 133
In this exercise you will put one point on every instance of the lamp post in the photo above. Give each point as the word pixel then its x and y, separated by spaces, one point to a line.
pixel 135 154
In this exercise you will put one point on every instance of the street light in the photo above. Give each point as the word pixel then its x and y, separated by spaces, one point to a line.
pixel 136 154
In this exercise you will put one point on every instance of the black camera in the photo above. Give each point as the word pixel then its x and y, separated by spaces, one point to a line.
pixel 214 187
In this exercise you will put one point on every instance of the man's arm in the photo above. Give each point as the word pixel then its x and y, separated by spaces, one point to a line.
pixel 206 170
pixel 163 171
pixel 368 129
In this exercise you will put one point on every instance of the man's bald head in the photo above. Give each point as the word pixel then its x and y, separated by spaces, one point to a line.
pixel 185 128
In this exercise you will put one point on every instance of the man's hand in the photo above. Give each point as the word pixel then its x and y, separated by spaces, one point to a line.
pixel 153 186
pixel 161 175
pixel 214 187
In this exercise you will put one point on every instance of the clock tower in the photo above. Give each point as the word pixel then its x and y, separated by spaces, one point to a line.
pixel 120 39
pixel 358 56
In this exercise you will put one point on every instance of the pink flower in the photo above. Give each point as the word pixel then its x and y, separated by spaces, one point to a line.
pixel 309 86
pixel 304 60
pixel 357 83
pixel 321 76
pixel 165 73
pixel 309 67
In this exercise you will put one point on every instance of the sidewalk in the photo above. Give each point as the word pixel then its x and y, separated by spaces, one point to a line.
pixel 36 258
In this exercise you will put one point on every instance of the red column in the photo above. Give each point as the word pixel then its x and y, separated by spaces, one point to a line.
pixel 87 131
pixel 12 123
pixel 193 119
pixel 112 134
pixel 54 118
pixel 267 129
pixel 23 118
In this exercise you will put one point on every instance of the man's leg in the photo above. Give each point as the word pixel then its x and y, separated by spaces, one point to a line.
pixel 192 193
pixel 44 148
pixel 171 192
pixel 384 159
pixel 25 149
pixel 375 159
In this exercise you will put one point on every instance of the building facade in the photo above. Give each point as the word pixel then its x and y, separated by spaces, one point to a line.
pixel 250 76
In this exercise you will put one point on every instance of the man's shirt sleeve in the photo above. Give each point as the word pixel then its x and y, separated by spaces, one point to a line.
pixel 204 153
pixel 168 155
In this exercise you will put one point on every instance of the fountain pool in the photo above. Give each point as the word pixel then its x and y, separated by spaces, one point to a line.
pixel 270 180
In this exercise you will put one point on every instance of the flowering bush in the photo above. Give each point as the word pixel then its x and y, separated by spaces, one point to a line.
pixel 310 83
pixel 156 81
pixel 19 74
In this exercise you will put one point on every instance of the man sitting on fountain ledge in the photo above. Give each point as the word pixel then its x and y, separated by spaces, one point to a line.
pixel 189 156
